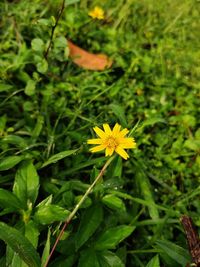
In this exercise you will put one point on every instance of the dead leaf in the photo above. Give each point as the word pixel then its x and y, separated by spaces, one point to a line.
pixel 88 60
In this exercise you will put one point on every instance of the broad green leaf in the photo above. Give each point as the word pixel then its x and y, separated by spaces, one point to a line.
pixel 146 191
pixel 114 202
pixel 154 262
pixel 90 221
pixel 9 162
pixel 44 22
pixel 107 258
pixel 26 183
pixel 87 202
pixel 45 202
pixel 55 158
pixel 15 140
pixel 32 233
pixel 88 259
pixel 20 244
pixel 192 144
pixel 37 44
pixel 30 88
pixel 5 87
pixel 9 200
pixel 115 169
pixel 46 251
pixel 113 236
pixel 42 66
pixel 50 213
pixel 177 253
pixel 119 113
pixel 17 261
pixel 189 120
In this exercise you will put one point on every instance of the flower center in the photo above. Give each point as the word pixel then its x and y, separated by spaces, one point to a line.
pixel 111 142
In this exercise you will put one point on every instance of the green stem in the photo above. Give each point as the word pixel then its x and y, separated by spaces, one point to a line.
pixel 72 214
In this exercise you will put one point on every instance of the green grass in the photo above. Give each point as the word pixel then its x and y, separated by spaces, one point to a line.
pixel 47 111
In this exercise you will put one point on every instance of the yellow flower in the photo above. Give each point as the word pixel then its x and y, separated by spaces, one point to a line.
pixel 112 141
pixel 97 13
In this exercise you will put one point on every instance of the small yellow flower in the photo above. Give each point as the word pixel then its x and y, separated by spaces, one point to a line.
pixel 112 141
pixel 97 13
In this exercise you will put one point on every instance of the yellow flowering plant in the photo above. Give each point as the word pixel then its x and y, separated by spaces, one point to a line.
pixel 97 13
pixel 114 140
pixel 111 141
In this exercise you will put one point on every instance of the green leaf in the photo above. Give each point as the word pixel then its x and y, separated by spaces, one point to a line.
pixel 115 169
pixel 119 112
pixel 44 22
pixel 15 140
pixel 107 258
pixel 37 44
pixel 113 236
pixel 114 202
pixel 38 127
pixel 30 88
pixel 47 247
pixel 146 191
pixel 50 213
pixel 26 183
pixel 150 122
pixel 70 2
pixel 42 66
pixel 3 261
pixel 5 87
pixel 3 120
pixel 90 221
pixel 154 262
pixel 45 202
pixel 55 158
pixel 20 244
pixel 32 233
pixel 9 200
pixel 88 259
pixel 63 261
pixel 192 144
pixel 175 252
pixel 9 162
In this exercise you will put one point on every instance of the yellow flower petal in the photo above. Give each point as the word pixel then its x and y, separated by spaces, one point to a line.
pixel 97 148
pixel 116 129
pixel 119 150
pixel 97 141
pixel 109 151
pixel 107 129
pixel 99 132
pixel 123 132
pixel 127 142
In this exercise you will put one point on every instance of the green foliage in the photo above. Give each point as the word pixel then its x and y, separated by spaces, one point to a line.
pixel 48 107
pixel 20 245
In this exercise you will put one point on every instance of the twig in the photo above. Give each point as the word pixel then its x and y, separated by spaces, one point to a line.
pixel 54 27
pixel 71 215
pixel 192 239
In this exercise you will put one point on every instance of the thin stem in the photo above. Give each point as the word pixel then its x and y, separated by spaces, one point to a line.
pixel 54 27
pixel 72 214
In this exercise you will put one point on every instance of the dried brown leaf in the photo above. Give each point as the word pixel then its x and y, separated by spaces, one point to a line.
pixel 88 60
